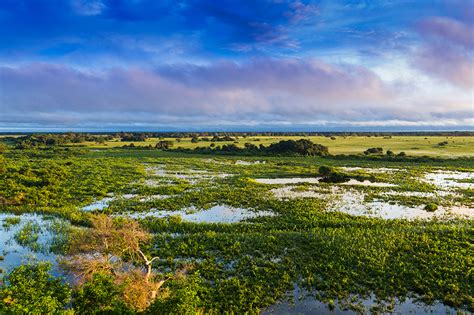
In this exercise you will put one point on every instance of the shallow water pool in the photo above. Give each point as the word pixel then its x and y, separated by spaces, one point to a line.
pixel 216 214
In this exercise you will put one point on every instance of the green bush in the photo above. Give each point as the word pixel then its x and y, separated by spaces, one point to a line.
pixel 30 289
pixel 431 207
pixel 100 295
pixel 325 170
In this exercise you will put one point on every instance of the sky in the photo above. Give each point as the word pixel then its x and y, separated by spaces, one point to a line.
pixel 111 65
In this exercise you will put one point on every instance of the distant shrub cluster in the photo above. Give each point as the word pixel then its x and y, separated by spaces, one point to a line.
pixel 442 144
pixel 161 145
pixel 373 151
pixel 31 141
pixel 379 152
pixel 331 176
pixel 285 147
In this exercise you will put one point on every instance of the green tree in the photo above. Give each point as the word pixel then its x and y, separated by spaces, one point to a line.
pixel 100 295
pixel 31 289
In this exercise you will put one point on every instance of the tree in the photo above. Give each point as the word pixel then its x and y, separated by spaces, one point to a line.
pixel 325 170
pixel 113 247
pixel 250 146
pixel 370 151
pixel 164 145
pixel 100 295
pixel 30 289
pixel 302 147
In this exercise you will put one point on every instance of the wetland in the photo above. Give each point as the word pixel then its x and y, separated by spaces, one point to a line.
pixel 238 234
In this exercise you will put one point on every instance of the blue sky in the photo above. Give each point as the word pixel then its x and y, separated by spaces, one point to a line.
pixel 230 65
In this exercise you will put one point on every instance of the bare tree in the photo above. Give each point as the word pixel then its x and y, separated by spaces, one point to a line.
pixel 113 246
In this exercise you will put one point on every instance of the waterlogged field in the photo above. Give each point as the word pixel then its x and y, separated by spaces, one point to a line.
pixel 262 234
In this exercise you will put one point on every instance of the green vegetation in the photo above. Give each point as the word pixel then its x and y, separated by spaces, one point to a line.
pixel 412 144
pixel 243 267
pixel 28 235
pixel 284 147
pixel 11 221
pixel 30 289
pixel 100 295
pixel 431 207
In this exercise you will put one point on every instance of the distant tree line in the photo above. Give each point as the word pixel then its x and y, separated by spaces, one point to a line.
pixel 284 147
pixel 195 139
pixel 36 140
pixel 140 136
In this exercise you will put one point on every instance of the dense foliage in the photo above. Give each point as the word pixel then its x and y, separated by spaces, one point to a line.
pixel 30 289
pixel 58 183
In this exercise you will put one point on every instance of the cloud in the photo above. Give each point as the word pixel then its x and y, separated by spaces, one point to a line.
pixel 446 52
pixel 88 7
pixel 258 91
pixel 448 30
pixel 258 86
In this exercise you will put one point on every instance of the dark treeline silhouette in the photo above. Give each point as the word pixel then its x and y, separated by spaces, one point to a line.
pixel 284 147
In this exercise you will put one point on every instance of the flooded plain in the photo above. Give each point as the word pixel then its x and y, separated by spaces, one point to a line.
pixel 215 214
pixel 29 237
pixel 317 180
pixel 449 180
pixel 301 302
pixel 342 198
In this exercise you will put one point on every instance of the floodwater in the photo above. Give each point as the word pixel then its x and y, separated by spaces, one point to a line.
pixel 304 303
pixel 316 180
pixel 105 202
pixel 370 170
pixel 38 249
pixel 284 181
pixel 99 204
pixel 242 162
pixel 353 202
pixel 216 214
pixel 355 182
pixel 450 179
pixel 289 192
pixel 191 175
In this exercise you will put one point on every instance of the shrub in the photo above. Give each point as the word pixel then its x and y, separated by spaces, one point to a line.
pixel 100 295
pixel 302 147
pixel 373 151
pixel 32 290
pixel 431 207
pixel 336 177
pixel 164 145
pixel 325 170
